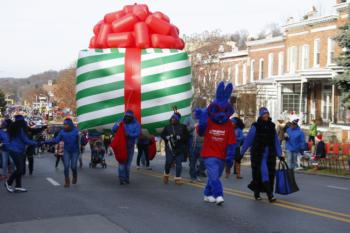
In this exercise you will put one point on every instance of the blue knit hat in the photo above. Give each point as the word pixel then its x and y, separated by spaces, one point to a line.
pixel 129 113
pixel 19 118
pixel 69 122
pixel 263 111
pixel 175 116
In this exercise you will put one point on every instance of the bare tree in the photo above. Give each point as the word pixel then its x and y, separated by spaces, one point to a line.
pixel 64 90
pixel 240 37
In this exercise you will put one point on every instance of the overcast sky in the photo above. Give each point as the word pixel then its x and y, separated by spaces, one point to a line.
pixel 39 35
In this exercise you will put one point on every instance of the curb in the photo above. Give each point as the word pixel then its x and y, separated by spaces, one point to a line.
pixel 321 174
pixel 313 173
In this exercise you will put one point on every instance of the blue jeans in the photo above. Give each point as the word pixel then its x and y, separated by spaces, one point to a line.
pixel 214 167
pixel 124 169
pixel 195 156
pixel 170 158
pixel 189 148
pixel 70 160
pixel 292 158
pixel 5 161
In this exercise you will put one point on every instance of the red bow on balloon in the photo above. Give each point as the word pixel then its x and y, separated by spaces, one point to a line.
pixel 136 27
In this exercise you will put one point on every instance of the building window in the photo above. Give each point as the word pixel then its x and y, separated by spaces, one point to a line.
pixel 330 52
pixel 270 70
pixel 317 52
pixel 280 63
pixel 305 57
pixel 237 74
pixel 291 98
pixel 292 59
pixel 343 114
pixel 261 69
pixel 252 65
pixel 244 73
pixel 327 103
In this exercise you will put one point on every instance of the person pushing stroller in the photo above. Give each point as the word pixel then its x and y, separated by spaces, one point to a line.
pixel 98 155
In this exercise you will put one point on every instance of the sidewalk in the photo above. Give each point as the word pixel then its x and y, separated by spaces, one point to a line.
pixel 311 171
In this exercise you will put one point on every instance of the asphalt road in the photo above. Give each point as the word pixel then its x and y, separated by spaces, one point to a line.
pixel 99 204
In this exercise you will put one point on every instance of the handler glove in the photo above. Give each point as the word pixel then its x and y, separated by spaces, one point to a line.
pixel 286 136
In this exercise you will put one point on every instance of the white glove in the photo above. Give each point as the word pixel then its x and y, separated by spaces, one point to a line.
pixel 167 137
pixel 178 137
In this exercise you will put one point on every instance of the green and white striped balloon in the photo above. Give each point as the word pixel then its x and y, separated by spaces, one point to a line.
pixel 165 82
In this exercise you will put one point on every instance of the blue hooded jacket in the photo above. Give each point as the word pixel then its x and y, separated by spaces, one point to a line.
pixel 239 136
pixel 70 138
pixel 132 130
pixel 18 144
pixel 296 139
pixel 4 139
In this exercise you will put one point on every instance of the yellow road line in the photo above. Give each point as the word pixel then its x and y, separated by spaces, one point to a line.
pixel 342 217
pixel 285 204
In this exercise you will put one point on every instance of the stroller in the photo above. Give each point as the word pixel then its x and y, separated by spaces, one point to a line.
pixel 98 155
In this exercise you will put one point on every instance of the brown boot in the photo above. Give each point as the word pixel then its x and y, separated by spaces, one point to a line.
pixel 178 181
pixel 67 182
pixel 227 172
pixel 166 179
pixel 75 179
pixel 238 170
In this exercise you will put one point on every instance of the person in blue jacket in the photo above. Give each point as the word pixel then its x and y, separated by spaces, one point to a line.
pixel 18 141
pixel 265 146
pixel 132 130
pixel 295 143
pixel 70 136
pixel 4 151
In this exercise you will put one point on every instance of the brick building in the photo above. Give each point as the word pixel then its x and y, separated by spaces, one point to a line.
pixel 292 72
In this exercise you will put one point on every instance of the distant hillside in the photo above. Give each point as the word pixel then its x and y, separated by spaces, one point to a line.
pixel 17 85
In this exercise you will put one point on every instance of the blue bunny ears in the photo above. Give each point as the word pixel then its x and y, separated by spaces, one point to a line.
pixel 223 93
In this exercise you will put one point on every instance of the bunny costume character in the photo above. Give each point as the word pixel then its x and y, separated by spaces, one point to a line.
pixel 219 140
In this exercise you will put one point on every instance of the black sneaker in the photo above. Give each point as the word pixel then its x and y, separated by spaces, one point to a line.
pixel 272 199
pixel 257 197
pixel 20 190
pixel 8 187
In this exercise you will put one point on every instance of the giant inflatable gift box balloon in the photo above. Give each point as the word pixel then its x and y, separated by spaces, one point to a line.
pixel 134 62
